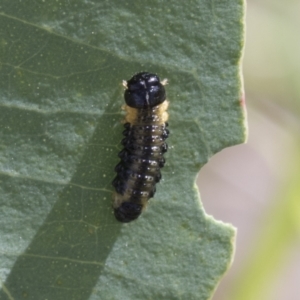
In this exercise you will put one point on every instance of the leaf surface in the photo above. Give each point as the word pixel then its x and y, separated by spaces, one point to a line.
pixel 62 64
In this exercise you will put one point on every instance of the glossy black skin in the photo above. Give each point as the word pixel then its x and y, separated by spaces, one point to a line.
pixel 144 146
pixel 144 90
pixel 128 211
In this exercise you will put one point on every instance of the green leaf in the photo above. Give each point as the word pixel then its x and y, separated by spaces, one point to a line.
pixel 62 64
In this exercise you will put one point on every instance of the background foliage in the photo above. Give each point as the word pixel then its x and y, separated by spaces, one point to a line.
pixel 62 63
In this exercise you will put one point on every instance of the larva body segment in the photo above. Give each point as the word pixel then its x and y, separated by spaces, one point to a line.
pixel 144 145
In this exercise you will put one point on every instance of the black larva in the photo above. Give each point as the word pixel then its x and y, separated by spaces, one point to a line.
pixel 144 145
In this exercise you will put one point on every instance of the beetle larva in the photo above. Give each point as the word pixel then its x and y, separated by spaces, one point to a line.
pixel 144 145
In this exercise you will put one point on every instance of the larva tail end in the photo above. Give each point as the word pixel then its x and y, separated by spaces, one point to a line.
pixel 128 212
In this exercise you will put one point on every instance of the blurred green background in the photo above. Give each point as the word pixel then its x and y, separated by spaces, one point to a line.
pixel 256 186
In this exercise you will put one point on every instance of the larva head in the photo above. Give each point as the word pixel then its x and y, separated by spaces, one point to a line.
pixel 128 211
pixel 144 90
